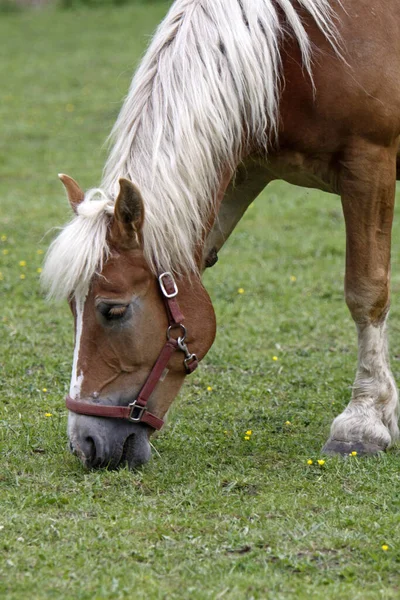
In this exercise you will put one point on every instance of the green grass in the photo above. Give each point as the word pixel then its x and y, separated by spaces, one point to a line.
pixel 212 515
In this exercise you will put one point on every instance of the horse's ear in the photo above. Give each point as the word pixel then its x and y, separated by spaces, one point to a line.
pixel 128 215
pixel 74 192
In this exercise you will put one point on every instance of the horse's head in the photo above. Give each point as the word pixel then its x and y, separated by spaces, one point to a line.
pixel 122 315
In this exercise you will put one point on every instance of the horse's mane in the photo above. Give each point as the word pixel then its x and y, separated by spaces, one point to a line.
pixel 209 81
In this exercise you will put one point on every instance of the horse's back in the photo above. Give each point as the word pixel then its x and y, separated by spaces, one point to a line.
pixel 354 95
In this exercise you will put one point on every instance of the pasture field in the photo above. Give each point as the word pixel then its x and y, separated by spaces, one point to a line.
pixel 214 515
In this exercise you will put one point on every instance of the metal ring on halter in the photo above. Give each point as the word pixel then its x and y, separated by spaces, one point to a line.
pixel 183 331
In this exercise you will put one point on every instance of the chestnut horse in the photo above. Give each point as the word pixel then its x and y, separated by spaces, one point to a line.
pixel 230 95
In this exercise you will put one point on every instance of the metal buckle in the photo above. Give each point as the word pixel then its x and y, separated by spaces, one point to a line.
pixel 133 406
pixel 188 360
pixel 162 285
pixel 189 357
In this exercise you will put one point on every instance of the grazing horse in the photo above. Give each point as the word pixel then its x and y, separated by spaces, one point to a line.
pixel 230 95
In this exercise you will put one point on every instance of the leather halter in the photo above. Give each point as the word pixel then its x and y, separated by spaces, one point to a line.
pixel 136 412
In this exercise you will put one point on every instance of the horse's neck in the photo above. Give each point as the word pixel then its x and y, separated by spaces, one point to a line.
pixel 235 196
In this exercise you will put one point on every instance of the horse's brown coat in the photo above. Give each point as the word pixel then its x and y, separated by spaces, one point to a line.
pixel 340 135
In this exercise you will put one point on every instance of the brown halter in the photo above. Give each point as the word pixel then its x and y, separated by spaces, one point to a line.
pixel 136 412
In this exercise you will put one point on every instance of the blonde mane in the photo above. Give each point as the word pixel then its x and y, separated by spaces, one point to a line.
pixel 209 81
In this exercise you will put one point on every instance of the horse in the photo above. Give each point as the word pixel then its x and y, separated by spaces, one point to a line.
pixel 230 95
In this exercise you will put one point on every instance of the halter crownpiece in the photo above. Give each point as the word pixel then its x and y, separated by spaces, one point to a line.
pixel 136 412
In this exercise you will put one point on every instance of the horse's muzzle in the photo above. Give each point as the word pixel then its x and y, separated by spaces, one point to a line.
pixel 108 443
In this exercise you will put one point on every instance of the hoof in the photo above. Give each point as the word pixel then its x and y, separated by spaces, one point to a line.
pixel 333 446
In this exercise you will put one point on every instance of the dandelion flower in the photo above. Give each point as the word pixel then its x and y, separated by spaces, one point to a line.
pixel 22 276
pixel 309 462
pixel 39 270
pixel 5 251
pixel 246 437
pixel 249 432
pixel 209 388
pixel 22 263
pixel 3 238
pixel 287 423
pixel 293 278
pixel 274 358
pixel 44 390
pixel 48 414
pixel 321 462
pixel 354 453
pixel 385 547
pixel 240 291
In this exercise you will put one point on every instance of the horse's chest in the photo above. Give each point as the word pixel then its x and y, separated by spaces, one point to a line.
pixel 315 171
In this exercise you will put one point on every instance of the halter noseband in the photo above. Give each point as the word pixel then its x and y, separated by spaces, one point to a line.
pixel 136 412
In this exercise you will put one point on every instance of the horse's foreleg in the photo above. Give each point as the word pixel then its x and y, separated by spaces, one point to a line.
pixel 250 179
pixel 369 423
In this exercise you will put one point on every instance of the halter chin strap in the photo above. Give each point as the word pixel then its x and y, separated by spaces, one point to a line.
pixel 136 412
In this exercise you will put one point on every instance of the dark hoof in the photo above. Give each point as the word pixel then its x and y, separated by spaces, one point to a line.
pixel 346 448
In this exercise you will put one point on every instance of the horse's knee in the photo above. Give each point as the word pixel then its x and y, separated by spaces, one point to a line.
pixel 368 302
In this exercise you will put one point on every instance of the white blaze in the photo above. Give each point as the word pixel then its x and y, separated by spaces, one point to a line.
pixel 77 379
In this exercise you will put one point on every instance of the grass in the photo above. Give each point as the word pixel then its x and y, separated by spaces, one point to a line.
pixel 213 515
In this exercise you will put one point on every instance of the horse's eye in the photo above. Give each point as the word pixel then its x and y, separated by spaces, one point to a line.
pixel 113 312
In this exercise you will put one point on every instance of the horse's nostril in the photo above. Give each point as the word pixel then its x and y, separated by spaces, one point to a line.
pixel 128 450
pixel 89 450
pixel 136 451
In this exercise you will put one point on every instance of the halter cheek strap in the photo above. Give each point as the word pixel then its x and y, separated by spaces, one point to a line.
pixel 137 412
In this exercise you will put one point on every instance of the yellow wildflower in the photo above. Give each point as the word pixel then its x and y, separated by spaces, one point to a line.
pixel 209 388
pixel 287 423
pixel 274 358
pixel 246 437
pixel 48 414
pixel 249 432
pixel 321 462
pixel 3 238
pixel 40 251
pixel 385 547
pixel 354 453
pixel 22 263
pixel 5 251
pixel 309 462
pixel 293 278
pixel 44 390
pixel 22 276
pixel 39 270
pixel 240 291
